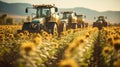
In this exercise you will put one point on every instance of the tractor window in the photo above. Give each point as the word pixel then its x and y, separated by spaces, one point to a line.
pixel 43 12
pixel 100 18
pixel 80 16
pixel 67 15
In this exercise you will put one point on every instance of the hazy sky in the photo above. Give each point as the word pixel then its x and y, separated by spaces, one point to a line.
pixel 99 5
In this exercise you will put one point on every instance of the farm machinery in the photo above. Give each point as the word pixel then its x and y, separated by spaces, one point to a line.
pixel 46 18
pixel 100 22
pixel 81 21
pixel 69 20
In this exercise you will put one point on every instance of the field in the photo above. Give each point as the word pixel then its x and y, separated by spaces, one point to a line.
pixel 84 47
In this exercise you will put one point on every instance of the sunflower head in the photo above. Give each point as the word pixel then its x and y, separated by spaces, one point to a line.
pixel 87 35
pixel 116 63
pixel 55 44
pixel 20 35
pixel 117 44
pixel 45 35
pixel 26 32
pixel 116 37
pixel 50 36
pixel 11 36
pixel 2 36
pixel 37 41
pixel 78 41
pixel 110 40
pixel 27 47
pixel 106 50
pixel 68 63
pixel 63 33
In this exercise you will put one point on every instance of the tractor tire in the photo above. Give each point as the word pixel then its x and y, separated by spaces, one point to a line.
pixel 55 30
pixel 64 27
pixel 94 24
pixel 79 25
pixel 105 24
pixel 74 26
pixel 83 25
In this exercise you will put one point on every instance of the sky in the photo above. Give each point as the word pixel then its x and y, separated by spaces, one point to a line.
pixel 98 5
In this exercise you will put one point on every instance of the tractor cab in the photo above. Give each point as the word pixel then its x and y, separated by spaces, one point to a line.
pixel 43 11
pixel 81 21
pixel 81 18
pixel 46 18
pixel 67 14
pixel 101 18
pixel 100 22
pixel 69 17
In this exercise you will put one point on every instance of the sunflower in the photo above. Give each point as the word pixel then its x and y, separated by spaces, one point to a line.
pixel 70 31
pixel 37 35
pixel 116 63
pixel 68 63
pixel 106 50
pixel 69 51
pixel 37 41
pixel 87 35
pixel 26 32
pixel 27 47
pixel 116 36
pixel 45 35
pixel 2 36
pixel 50 36
pixel 11 36
pixel 110 39
pixel 55 44
pixel 78 41
pixel 63 33
pixel 117 44
pixel 20 35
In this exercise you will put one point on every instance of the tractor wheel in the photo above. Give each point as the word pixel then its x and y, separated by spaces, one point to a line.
pixel 55 30
pixel 64 27
pixel 79 25
pixel 83 25
pixel 75 26
pixel 94 24
pixel 105 24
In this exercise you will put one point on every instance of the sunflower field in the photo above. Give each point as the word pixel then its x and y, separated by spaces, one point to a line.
pixel 82 47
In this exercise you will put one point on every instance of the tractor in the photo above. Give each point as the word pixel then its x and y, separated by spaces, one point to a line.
pixel 46 18
pixel 81 21
pixel 100 22
pixel 69 20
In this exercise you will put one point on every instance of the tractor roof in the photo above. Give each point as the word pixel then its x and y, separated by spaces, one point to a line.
pixel 44 5
pixel 67 12
pixel 80 15
pixel 101 17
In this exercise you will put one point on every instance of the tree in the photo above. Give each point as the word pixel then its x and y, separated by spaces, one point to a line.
pixel 4 17
pixel 9 21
